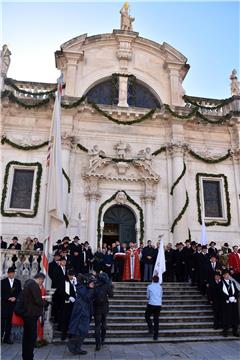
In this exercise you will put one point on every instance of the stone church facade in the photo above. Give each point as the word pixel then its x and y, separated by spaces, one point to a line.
pixel 140 158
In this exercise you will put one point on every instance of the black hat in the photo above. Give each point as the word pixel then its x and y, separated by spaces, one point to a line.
pixel 76 237
pixel 212 242
pixel 226 244
pixel 63 258
pixel 217 273
pixel 15 238
pixel 199 245
pixel 180 243
pixel 66 238
pixel 59 241
pixel 204 247
pixel 225 271
pixel 187 241
pixel 193 243
pixel 57 253
pixel 11 270
pixel 71 272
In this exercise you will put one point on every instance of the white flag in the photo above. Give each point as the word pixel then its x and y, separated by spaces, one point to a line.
pixel 160 266
pixel 203 232
pixel 54 199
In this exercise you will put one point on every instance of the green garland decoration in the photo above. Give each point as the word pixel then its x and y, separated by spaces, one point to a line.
pixel 37 191
pixel 132 202
pixel 11 82
pixel 178 218
pixel 223 102
pixel 179 178
pixel 189 235
pixel 74 104
pixel 210 161
pixel 159 151
pixel 68 180
pixel 4 140
pixel 212 223
pixel 129 122
pixel 65 220
pixel 81 147
pixel 13 98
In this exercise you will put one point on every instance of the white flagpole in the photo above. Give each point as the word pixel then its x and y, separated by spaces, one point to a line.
pixel 203 231
pixel 160 265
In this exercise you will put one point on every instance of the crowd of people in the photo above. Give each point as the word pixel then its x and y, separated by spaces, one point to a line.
pixel 83 284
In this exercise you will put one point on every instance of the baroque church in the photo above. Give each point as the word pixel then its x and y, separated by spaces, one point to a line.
pixel 140 157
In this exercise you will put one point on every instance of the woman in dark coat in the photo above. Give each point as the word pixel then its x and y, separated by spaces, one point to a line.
pixel 81 314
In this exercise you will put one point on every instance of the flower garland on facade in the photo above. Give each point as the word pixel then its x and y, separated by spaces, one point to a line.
pixel 219 106
pixel 132 202
pixel 65 220
pixel 212 223
pixel 4 140
pixel 13 98
pixel 159 151
pixel 11 82
pixel 37 190
pixel 68 180
pixel 179 178
pixel 210 161
pixel 178 218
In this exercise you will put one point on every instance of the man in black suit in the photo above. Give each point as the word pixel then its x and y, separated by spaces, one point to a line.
pixel 10 289
pixel 3 243
pixel 52 268
pixel 33 305
pixel 15 245
pixel 214 296
pixel 118 263
pixel 148 257
pixel 37 245
pixel 75 253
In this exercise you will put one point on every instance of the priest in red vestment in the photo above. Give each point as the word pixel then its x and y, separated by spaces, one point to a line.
pixel 131 270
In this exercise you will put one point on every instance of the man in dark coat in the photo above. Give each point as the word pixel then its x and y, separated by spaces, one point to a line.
pixel 212 251
pixel 59 274
pixel 75 253
pixel 215 298
pixel 118 262
pixel 229 294
pixel 33 305
pixel 187 254
pixel 52 269
pixel 67 296
pixel 38 246
pixel 148 257
pixel 81 314
pixel 10 289
pixel 169 258
pixel 179 260
pixel 3 243
pixel 102 291
pixel 15 245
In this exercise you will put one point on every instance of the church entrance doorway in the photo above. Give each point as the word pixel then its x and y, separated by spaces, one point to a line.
pixel 119 224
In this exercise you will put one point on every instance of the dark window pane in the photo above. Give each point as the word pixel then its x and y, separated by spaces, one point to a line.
pixel 140 96
pixel 212 198
pixel 104 93
pixel 22 189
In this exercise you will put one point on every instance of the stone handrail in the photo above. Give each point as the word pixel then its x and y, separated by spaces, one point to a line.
pixel 234 105
pixel 34 87
pixel 27 263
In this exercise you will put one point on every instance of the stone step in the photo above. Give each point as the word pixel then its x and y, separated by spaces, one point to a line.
pixel 165 292
pixel 130 307
pixel 137 326
pixel 141 286
pixel 165 296
pixel 172 313
pixel 129 301
pixel 162 319
pixel 147 340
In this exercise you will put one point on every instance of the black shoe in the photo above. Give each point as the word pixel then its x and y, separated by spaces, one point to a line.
pixel 8 341
pixel 102 341
pixel 63 337
pixel 236 334
pixel 224 333
pixel 98 347
pixel 155 337
pixel 82 352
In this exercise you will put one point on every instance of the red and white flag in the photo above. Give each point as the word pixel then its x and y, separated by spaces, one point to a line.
pixel 160 265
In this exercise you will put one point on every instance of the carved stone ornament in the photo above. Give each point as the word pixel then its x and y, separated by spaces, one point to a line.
pixel 177 147
pixel 126 19
pixel 95 154
pixel 235 84
pixel 121 149
pixel 122 167
pixel 121 198
pixel 27 141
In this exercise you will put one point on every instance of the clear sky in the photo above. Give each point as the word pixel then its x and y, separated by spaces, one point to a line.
pixel 207 33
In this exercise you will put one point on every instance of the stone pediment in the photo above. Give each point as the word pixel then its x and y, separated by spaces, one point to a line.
pixel 136 170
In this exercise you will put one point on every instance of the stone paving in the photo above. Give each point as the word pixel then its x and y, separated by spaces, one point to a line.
pixel 216 350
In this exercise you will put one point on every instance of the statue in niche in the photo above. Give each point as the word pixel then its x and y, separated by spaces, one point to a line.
pixel 126 19
pixel 121 149
pixel 5 60
pixel 95 155
pixel 145 155
pixel 235 84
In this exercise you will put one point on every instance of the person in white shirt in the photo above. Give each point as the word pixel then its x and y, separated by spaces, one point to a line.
pixel 154 297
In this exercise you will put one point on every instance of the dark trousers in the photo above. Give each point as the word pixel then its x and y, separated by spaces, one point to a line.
pixel 100 327
pixel 29 337
pixel 6 326
pixel 148 271
pixel 155 311
pixel 217 313
pixel 75 344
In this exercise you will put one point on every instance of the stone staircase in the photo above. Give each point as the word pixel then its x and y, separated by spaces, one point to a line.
pixel 185 316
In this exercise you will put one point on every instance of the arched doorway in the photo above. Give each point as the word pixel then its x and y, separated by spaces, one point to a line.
pixel 119 224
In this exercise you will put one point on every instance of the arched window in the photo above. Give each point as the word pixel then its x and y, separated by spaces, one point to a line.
pixel 139 95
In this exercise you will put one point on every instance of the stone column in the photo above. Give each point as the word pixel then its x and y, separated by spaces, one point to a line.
pixel 93 196
pixel 180 233
pixel 177 91
pixel 148 199
pixel 123 91
pixel 71 73
pixel 66 154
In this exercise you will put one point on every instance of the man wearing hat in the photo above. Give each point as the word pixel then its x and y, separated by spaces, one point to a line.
pixel 3 243
pixel 10 289
pixel 229 294
pixel 215 298
pixel 212 250
pixel 52 266
pixel 15 245
pixel 75 253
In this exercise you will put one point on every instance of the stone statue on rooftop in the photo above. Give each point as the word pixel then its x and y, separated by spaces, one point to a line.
pixel 235 84
pixel 5 60
pixel 126 19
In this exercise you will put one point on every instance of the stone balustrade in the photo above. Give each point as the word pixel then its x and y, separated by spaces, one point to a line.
pixel 212 103
pixel 27 263
pixel 34 87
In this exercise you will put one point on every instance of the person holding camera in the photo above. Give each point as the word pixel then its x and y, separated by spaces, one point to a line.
pixel 81 313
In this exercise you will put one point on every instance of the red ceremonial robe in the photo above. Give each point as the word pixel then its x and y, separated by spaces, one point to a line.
pixel 127 266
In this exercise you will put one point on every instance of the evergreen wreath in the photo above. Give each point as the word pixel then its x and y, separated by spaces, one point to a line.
pixel 178 218
pixel 212 223
pixel 68 180
pixel 132 202
pixel 12 83
pixel 65 220
pixel 222 103
pixel 4 140
pixel 37 190
pixel 179 178
pixel 210 161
